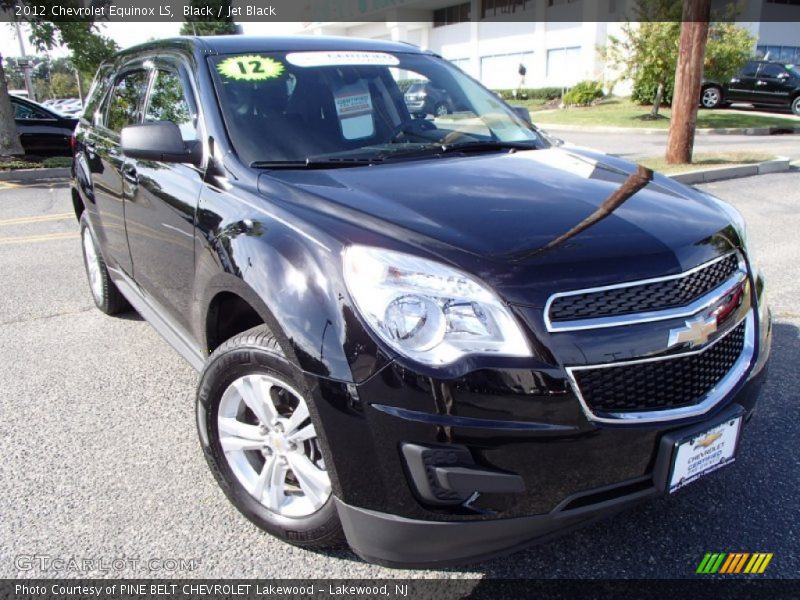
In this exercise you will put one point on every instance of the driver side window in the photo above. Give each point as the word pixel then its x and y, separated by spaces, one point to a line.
pixel 168 103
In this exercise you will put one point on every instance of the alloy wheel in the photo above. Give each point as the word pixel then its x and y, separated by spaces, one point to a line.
pixel 93 266
pixel 711 98
pixel 271 445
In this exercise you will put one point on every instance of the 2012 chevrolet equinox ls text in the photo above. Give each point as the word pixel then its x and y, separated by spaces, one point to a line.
pixel 439 337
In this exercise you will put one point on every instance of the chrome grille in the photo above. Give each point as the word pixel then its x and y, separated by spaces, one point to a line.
pixel 661 384
pixel 662 294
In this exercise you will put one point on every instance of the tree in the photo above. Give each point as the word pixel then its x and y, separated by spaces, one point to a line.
pixel 204 25
pixel 647 53
pixel 87 46
pixel 688 80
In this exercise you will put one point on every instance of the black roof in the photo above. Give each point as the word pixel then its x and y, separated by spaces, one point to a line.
pixel 232 44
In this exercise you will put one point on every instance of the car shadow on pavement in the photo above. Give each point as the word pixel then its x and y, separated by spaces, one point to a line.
pixel 746 507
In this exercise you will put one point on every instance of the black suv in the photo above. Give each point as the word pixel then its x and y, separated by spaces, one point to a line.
pixel 41 131
pixel 760 83
pixel 423 99
pixel 438 341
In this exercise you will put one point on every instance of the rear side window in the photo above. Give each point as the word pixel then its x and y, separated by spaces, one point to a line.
pixel 24 111
pixel 125 107
pixel 96 95
pixel 750 70
pixel 168 103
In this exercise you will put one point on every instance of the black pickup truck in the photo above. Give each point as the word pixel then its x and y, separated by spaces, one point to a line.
pixel 439 339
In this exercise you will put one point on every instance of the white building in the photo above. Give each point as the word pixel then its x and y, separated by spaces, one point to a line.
pixel 556 40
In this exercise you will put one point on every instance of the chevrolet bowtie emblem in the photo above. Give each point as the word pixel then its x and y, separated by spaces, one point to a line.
pixel 696 332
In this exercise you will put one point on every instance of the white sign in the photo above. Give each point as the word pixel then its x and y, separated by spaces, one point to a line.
pixel 341 58
pixel 705 453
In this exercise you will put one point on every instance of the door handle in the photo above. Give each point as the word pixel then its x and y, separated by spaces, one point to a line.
pixel 735 80
pixel 759 82
pixel 130 175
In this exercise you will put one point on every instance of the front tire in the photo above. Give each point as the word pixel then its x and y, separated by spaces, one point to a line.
pixel 441 110
pixel 711 98
pixel 796 106
pixel 105 294
pixel 260 441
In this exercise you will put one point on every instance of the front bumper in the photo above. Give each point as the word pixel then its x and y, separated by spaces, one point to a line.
pixel 518 422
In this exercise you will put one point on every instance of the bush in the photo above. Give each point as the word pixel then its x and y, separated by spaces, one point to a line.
pixel 547 93
pixel 644 92
pixel 57 162
pixel 583 93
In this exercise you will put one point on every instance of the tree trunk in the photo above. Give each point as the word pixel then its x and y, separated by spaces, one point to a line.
pixel 688 80
pixel 9 138
pixel 658 99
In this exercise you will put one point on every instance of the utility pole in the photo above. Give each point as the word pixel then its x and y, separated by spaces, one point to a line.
pixel 26 64
pixel 688 80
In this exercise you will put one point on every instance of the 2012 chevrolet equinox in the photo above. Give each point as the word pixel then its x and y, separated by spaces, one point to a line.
pixel 439 337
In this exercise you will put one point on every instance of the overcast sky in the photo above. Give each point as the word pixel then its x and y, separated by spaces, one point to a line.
pixel 130 34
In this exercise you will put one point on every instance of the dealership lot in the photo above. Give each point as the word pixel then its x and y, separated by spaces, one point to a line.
pixel 100 457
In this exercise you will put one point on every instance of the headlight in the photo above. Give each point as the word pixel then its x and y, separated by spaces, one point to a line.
pixel 427 311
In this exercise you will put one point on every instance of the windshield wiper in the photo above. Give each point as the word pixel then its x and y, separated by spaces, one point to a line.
pixel 488 146
pixel 315 163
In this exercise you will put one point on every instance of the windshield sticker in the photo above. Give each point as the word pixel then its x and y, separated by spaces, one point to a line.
pixel 250 68
pixel 335 59
pixel 354 109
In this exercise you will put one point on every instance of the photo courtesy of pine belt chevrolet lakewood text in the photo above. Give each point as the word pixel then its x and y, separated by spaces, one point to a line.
pixel 425 328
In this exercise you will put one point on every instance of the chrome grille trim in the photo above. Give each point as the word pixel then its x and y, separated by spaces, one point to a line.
pixel 688 310
pixel 702 406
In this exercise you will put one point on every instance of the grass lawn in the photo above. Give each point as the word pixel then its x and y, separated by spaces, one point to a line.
pixel 621 112
pixel 705 161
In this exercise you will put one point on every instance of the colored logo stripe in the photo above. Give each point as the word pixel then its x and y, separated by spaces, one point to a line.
pixel 734 562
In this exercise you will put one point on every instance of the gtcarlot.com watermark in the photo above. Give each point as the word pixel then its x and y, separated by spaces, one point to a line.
pixel 47 563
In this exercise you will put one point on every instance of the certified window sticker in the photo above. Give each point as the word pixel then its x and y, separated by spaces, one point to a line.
pixel 250 67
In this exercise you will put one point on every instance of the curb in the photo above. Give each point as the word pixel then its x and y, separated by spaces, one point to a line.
pixel 32 175
pixel 777 165
pixel 773 130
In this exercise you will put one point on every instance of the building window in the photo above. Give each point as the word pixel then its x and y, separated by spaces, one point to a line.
pixel 501 71
pixel 784 54
pixel 458 13
pixel 497 8
pixel 563 65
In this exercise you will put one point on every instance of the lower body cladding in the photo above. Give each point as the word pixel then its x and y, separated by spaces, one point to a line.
pixel 434 473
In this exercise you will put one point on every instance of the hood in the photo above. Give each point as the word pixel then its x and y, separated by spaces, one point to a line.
pixel 566 216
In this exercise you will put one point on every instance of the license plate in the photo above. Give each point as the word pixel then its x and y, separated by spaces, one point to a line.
pixel 704 453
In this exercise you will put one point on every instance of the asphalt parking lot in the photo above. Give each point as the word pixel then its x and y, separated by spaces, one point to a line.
pixel 100 458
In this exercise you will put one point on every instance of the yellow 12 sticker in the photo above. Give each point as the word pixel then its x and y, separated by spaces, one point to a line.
pixel 250 68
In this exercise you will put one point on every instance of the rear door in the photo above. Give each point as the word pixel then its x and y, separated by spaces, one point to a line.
pixel 41 132
pixel 104 157
pixel 162 199
pixel 773 85
pixel 740 87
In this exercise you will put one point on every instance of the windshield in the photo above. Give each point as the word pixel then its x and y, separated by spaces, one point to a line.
pixel 302 107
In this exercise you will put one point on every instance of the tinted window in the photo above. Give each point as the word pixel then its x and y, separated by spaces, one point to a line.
pixel 168 103
pixel 750 70
pixel 96 94
pixel 769 70
pixel 25 111
pixel 126 100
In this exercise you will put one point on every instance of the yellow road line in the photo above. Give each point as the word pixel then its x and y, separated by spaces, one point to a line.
pixel 38 238
pixel 37 219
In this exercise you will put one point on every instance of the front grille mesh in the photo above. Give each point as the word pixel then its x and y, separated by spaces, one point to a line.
pixel 660 295
pixel 662 384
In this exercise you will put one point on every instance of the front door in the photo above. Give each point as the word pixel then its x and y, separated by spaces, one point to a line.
pixel 774 85
pixel 161 200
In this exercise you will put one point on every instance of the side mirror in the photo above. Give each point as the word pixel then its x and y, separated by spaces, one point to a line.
pixel 160 141
pixel 523 113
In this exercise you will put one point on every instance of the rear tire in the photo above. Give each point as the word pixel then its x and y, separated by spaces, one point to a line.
pixel 105 294
pixel 259 439
pixel 711 97
pixel 796 106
